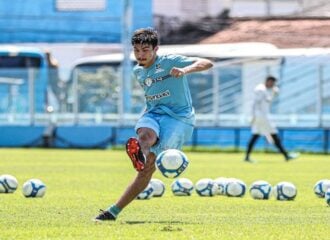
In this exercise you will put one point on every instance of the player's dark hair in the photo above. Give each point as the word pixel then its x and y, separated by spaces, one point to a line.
pixel 271 78
pixel 145 36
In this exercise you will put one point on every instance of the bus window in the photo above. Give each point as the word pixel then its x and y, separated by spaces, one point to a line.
pixel 99 86
pixel 19 62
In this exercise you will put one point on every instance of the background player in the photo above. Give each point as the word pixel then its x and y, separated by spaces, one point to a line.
pixel 261 124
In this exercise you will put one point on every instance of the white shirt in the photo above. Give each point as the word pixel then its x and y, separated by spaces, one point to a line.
pixel 263 98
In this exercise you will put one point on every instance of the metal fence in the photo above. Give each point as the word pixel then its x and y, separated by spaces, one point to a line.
pixel 221 96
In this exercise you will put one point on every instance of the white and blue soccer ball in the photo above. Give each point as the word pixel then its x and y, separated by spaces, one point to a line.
pixel 206 187
pixel 321 187
pixel 8 183
pixel 327 197
pixel 34 188
pixel 172 162
pixel 285 191
pixel 221 183
pixel 235 188
pixel 260 190
pixel 182 187
pixel 158 187
pixel 147 193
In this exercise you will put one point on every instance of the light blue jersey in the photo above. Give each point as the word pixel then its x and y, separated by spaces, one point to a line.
pixel 166 94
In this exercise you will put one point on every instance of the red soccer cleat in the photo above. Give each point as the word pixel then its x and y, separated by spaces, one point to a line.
pixel 135 153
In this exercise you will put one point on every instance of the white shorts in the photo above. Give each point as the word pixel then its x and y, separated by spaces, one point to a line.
pixel 263 126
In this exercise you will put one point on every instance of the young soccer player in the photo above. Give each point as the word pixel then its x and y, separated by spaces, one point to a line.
pixel 261 124
pixel 169 116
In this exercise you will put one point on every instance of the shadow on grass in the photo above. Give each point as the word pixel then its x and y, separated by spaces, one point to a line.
pixel 152 222
pixel 168 225
pixel 159 222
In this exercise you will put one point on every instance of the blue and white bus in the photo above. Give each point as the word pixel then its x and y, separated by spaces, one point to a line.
pixel 24 79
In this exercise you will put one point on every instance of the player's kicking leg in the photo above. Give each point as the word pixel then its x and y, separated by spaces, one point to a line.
pixel 139 183
pixel 134 151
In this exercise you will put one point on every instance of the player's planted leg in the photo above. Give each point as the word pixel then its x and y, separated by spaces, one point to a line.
pixel 251 144
pixel 105 216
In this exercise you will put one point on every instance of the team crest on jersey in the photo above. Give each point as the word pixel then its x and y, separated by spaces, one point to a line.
pixel 148 82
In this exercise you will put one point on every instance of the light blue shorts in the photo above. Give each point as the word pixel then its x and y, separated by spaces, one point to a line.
pixel 171 132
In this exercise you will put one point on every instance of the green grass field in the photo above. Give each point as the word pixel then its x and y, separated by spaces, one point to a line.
pixel 79 182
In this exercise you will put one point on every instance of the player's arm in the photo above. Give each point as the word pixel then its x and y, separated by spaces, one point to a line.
pixel 274 93
pixel 201 64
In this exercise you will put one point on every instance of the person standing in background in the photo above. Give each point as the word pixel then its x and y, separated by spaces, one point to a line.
pixel 264 94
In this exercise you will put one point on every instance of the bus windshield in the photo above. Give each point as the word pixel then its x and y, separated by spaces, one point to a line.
pixel 99 87
pixel 24 80
pixel 19 62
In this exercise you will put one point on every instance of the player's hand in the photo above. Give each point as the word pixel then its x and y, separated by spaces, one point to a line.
pixel 177 72
pixel 276 90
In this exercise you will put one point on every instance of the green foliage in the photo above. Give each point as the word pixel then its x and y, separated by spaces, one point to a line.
pixel 99 90
pixel 79 182
pixel 97 87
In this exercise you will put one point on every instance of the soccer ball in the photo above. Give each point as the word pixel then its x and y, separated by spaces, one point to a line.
pixel 321 187
pixel 327 196
pixel 158 187
pixel 34 188
pixel 8 183
pixel 206 187
pixel 171 163
pixel 221 183
pixel 235 188
pixel 260 190
pixel 147 193
pixel 285 191
pixel 182 187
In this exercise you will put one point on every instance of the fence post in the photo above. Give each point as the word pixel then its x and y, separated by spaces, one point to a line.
pixel 326 140
pixel 319 96
pixel 215 93
pixel 237 138
pixel 75 97
pixel 194 139
pixel 124 104
pixel 31 74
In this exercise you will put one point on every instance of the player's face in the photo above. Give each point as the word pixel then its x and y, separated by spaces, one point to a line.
pixel 270 84
pixel 145 54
